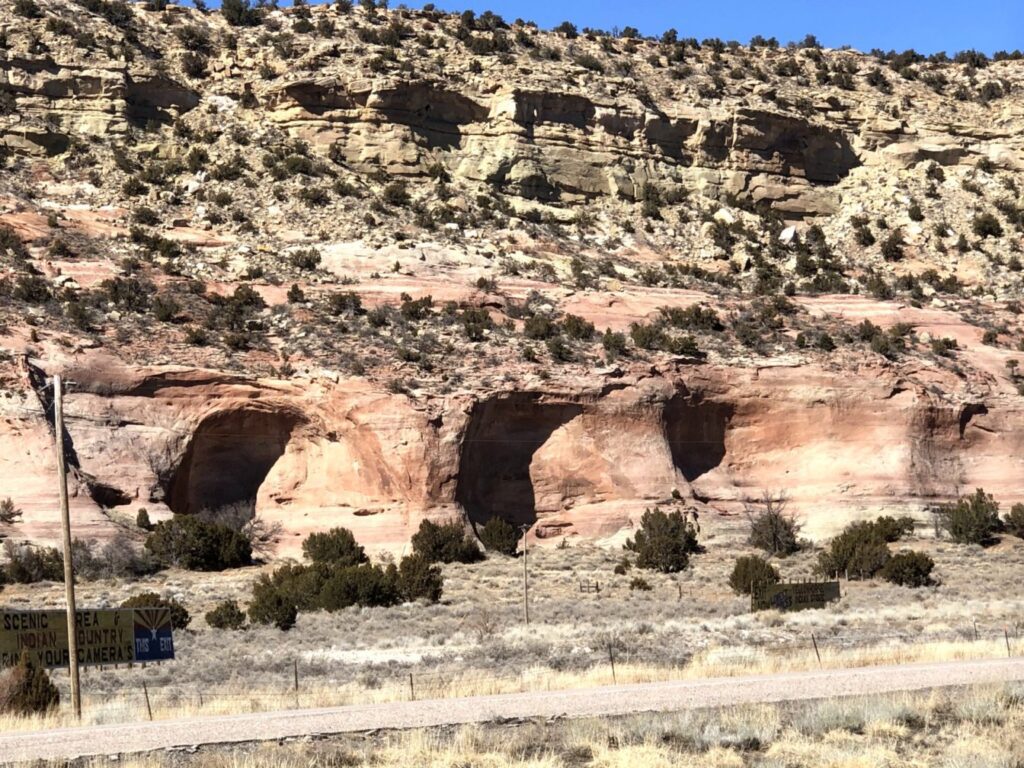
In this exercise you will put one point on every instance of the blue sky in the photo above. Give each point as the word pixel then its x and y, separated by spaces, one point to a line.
pixel 925 25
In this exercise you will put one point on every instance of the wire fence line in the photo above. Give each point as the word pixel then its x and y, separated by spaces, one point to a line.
pixel 309 683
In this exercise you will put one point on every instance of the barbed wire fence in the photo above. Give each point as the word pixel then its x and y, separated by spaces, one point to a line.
pixel 309 684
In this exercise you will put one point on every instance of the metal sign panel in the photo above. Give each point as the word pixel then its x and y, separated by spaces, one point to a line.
pixel 120 636
pixel 794 597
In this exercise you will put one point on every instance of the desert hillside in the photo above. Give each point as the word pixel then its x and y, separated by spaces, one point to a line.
pixel 357 267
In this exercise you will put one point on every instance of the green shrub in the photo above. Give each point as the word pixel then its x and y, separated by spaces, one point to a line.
pixel 314 196
pixel 227 615
pixel 305 259
pixel 335 547
pixel 347 302
pixel 128 293
pixel 639 583
pixel 664 542
pixel 9 513
pixel 558 349
pixel 196 545
pixel 859 551
pixel 589 61
pixel 145 215
pixel 749 571
pixel 194 38
pixel 694 317
pixel 1014 522
pixel 499 535
pixel 864 236
pixel 577 328
pixel 447 543
pixel 396 194
pixel 614 343
pixel 540 327
pixel 291 589
pixel 891 529
pixel 118 557
pixel 180 617
pixel 27 9
pixel 892 246
pixel 269 605
pixel 646 336
pixel 165 308
pixel 772 529
pixel 32 289
pixel 27 564
pixel 142 519
pixel 238 13
pixel 909 569
pixel 25 689
pixel 11 241
pixel 416 309
pixel 971 519
pixel 987 225
pixel 364 584
pixel 419 579
pixel 194 65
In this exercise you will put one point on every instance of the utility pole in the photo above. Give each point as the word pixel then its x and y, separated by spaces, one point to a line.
pixel 526 577
pixel 69 567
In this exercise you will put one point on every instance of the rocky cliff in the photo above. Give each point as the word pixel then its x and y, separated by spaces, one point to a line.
pixel 358 267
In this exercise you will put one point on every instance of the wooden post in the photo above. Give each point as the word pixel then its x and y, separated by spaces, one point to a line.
pixel 816 651
pixel 412 689
pixel 295 671
pixel 69 566
pixel 526 577
pixel 975 630
pixel 1006 634
pixel 145 692
pixel 611 658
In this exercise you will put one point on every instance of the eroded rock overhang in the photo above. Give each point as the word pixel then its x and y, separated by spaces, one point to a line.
pixel 585 462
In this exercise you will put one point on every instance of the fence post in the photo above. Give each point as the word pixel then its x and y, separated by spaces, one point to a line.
pixel 1006 634
pixel 412 689
pixel 975 630
pixel 816 651
pixel 611 658
pixel 145 692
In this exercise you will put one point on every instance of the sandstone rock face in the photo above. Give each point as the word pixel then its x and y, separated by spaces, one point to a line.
pixel 364 267
pixel 565 463
pixel 550 146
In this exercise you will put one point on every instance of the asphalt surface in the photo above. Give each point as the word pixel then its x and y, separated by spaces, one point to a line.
pixel 70 743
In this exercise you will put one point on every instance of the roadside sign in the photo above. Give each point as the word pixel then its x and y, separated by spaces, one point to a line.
pixel 119 636
pixel 794 597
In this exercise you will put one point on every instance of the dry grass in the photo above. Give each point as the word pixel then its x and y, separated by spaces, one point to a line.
pixel 982 728
pixel 724 662
pixel 474 642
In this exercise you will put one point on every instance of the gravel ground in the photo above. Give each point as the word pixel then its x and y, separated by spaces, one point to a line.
pixel 609 701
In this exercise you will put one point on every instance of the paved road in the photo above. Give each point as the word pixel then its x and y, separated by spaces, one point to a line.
pixel 70 743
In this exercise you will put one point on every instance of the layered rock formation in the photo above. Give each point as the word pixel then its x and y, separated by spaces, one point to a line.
pixel 586 462
pixel 338 269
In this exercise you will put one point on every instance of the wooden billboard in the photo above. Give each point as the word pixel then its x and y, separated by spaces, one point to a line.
pixel 118 636
pixel 794 597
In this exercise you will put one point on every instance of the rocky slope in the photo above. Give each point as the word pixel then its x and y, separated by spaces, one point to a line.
pixel 355 267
